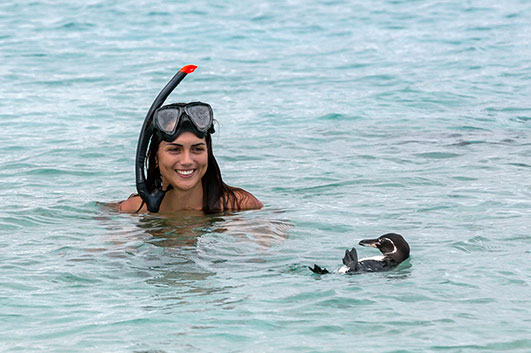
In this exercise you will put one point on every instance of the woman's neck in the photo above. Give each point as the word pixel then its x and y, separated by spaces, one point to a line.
pixel 179 200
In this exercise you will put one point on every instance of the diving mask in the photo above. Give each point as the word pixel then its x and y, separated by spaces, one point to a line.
pixel 170 120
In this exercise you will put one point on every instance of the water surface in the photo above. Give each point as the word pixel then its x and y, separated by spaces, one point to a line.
pixel 348 120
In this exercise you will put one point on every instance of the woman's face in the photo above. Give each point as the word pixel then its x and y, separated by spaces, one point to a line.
pixel 183 162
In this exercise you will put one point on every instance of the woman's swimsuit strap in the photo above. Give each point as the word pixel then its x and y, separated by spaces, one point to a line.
pixel 141 205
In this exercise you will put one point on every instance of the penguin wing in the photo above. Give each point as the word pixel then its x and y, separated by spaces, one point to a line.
pixel 370 265
pixel 318 270
pixel 351 259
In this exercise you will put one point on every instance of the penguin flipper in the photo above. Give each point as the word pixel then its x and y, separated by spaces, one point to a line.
pixel 351 259
pixel 319 270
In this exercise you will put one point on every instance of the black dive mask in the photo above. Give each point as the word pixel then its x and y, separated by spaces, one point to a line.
pixel 171 120
pixel 154 198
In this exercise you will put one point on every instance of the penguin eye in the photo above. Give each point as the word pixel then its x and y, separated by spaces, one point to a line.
pixel 387 246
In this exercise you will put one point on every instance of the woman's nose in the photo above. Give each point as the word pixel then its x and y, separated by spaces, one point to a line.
pixel 186 158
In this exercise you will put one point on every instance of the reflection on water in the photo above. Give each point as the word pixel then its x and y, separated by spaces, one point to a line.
pixel 175 230
pixel 186 251
pixel 186 228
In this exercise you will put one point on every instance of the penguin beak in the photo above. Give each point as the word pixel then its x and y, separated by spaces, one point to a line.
pixel 373 243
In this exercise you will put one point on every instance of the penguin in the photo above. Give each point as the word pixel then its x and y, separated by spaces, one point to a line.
pixel 394 248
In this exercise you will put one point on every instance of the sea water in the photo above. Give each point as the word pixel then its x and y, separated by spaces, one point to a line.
pixel 348 119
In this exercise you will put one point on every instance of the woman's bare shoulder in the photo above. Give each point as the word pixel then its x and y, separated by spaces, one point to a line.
pixel 132 204
pixel 247 201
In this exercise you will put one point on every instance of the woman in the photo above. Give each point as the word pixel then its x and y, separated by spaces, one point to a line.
pixel 181 163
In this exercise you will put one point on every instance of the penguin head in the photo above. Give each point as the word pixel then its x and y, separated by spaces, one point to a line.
pixel 393 246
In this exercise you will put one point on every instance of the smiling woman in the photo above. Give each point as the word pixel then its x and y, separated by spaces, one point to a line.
pixel 182 173
pixel 181 161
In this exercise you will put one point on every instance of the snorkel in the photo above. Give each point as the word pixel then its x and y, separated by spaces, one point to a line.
pixel 154 199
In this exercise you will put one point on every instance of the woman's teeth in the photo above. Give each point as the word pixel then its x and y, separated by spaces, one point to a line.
pixel 185 172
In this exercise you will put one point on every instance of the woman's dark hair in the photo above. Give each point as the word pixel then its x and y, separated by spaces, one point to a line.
pixel 217 196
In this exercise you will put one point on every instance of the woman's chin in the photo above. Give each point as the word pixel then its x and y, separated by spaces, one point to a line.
pixel 186 185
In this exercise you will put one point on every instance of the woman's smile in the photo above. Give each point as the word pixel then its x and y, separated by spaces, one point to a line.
pixel 185 173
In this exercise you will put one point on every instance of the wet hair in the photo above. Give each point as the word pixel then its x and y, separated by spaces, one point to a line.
pixel 217 196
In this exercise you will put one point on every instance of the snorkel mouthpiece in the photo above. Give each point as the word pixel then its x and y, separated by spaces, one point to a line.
pixel 154 198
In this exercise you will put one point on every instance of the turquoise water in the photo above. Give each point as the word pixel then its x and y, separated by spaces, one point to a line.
pixel 348 120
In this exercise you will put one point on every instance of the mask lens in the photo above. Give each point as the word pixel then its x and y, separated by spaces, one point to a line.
pixel 167 120
pixel 201 115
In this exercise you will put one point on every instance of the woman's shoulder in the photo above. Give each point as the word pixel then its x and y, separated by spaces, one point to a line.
pixel 246 200
pixel 133 204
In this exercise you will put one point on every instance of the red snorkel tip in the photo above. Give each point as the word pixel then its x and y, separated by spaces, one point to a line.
pixel 188 69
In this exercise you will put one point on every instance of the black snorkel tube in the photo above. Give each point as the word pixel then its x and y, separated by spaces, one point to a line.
pixel 154 199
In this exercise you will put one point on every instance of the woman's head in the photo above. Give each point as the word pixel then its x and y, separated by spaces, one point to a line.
pixel 186 162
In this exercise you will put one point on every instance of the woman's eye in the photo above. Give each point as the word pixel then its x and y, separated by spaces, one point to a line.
pixel 198 149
